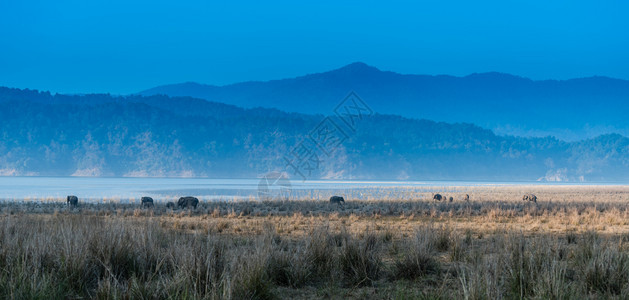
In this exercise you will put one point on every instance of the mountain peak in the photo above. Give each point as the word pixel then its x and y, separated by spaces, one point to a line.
pixel 358 67
pixel 506 103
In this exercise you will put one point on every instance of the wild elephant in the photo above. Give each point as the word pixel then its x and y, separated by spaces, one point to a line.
pixel 170 205
pixel 450 199
pixel 185 202
pixel 72 201
pixel 437 197
pixel 146 202
pixel 529 197
pixel 338 200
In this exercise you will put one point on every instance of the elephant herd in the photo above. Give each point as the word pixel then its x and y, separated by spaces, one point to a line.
pixel 436 197
pixel 147 202
pixel 183 202
pixel 439 197
pixel 192 202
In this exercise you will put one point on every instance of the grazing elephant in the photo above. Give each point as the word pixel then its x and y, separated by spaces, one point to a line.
pixel 185 202
pixel 450 199
pixel 467 198
pixel 530 197
pixel 147 202
pixel 338 200
pixel 437 197
pixel 170 205
pixel 72 200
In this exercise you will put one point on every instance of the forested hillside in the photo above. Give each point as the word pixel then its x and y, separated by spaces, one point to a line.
pixel 103 135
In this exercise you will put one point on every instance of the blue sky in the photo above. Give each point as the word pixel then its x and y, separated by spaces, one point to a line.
pixel 122 47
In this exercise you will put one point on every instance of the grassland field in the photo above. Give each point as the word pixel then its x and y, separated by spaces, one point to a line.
pixel 572 244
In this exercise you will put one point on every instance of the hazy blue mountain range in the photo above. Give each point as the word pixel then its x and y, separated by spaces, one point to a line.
pixel 568 109
pixel 102 135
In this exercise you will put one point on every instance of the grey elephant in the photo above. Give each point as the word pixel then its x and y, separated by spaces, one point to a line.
pixel 170 205
pixel 147 202
pixel 72 200
pixel 437 197
pixel 185 202
pixel 338 200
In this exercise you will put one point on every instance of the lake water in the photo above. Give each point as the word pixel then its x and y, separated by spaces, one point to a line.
pixel 167 189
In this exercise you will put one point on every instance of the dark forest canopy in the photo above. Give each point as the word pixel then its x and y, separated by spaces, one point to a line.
pixel 103 135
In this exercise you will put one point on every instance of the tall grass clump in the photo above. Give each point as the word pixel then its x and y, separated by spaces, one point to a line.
pixel 360 261
pixel 419 258
pixel 607 272
pixel 321 247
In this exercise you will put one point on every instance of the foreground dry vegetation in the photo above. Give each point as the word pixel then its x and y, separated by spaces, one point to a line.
pixel 574 243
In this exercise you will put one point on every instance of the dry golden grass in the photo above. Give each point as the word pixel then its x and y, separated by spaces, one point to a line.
pixel 573 243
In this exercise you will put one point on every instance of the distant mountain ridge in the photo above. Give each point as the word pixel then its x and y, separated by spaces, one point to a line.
pixel 568 109
pixel 160 136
